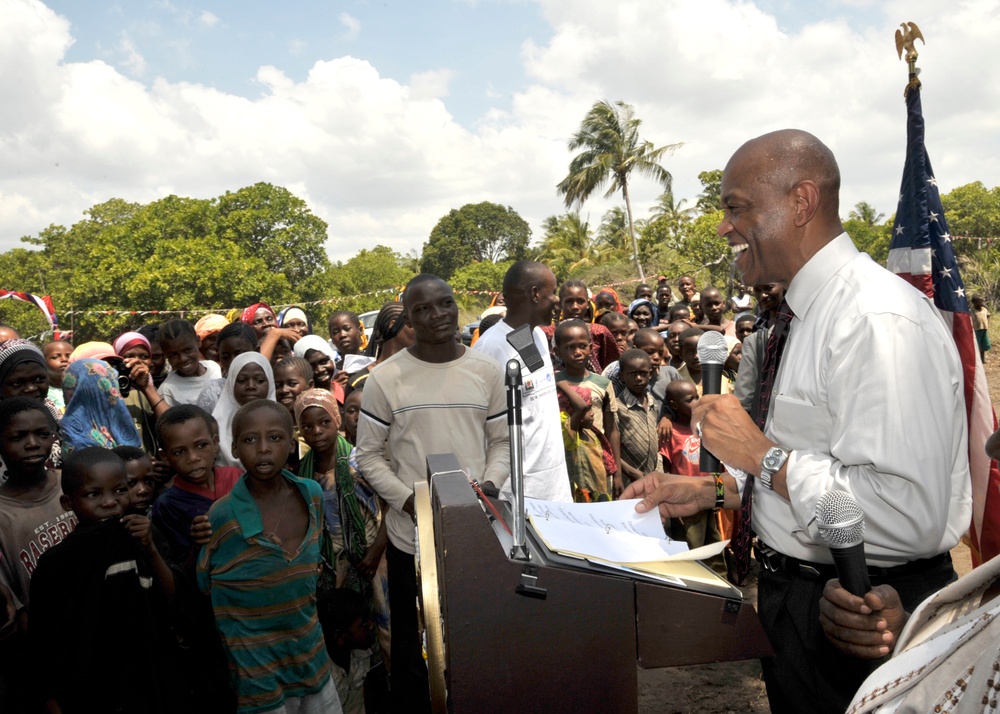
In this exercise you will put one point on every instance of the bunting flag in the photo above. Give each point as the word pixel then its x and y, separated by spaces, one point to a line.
pixel 43 303
pixel 921 252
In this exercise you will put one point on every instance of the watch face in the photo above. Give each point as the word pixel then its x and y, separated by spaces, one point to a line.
pixel 772 460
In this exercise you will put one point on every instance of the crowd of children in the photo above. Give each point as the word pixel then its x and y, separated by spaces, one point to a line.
pixel 182 507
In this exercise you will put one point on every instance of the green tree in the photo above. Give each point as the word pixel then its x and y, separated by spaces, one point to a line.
pixel 865 213
pixel 475 232
pixel 569 245
pixel 667 224
pixel 614 231
pixel 871 239
pixel 710 198
pixel 367 281
pixel 612 150
pixel 973 210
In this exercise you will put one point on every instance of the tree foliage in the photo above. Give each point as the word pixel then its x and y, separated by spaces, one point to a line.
pixel 611 151
pixel 973 210
pixel 710 198
pixel 475 232
pixel 570 245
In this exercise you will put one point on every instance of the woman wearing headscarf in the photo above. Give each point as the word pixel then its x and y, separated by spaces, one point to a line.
pixel 142 400
pixel 207 329
pixel 95 413
pixel 355 536
pixel 260 317
pixel 250 377
pixel 644 313
pixel 320 356
pixel 294 318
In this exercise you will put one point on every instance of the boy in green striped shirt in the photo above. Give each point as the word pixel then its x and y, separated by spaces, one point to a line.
pixel 260 569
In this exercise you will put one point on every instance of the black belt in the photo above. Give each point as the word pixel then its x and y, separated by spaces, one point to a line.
pixel 775 562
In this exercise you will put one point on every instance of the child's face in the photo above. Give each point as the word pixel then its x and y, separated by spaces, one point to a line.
pixel 103 495
pixel 689 352
pixel 318 430
pixel 25 442
pixel 190 448
pixel 604 301
pixel 262 445
pixel 733 358
pixel 322 367
pixel 574 303
pixel 630 335
pixel 352 412
pixel 283 348
pixel 28 379
pixel 680 312
pixel 156 358
pixel 743 328
pixel 686 287
pixel 644 292
pixel 619 330
pixel 574 348
pixel 251 383
pixel 231 348
pixel 652 346
pixel 643 316
pixel 210 346
pixel 288 384
pixel 978 302
pixel 663 296
pixel 361 634
pixel 635 374
pixel 141 484
pixel 684 400
pixel 674 339
pixel 182 354
pixel 345 335
pixel 57 358
pixel 712 306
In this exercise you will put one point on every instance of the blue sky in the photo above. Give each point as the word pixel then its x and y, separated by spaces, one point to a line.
pixel 384 116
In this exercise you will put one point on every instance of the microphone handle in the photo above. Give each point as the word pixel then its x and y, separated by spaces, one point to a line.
pixel 852 569
pixel 711 383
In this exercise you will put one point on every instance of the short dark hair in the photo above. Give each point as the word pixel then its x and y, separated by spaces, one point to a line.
pixel 352 316
pixel 150 332
pixel 420 280
pixel 488 322
pixel 77 464
pixel 293 362
pixel 15 405
pixel 632 355
pixel 521 277
pixel 130 453
pixel 673 314
pixel 176 330
pixel 612 317
pixel 238 329
pixel 576 284
pixel 640 286
pixel 692 332
pixel 256 405
pixel 182 413
pixel 645 334
pixel 566 325
pixel 339 608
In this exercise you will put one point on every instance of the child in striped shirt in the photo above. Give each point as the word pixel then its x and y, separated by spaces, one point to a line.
pixel 260 569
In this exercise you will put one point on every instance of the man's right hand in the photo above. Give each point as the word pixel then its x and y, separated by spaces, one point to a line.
pixel 674 495
pixel 868 627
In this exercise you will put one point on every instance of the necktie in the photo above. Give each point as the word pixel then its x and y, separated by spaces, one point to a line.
pixel 762 403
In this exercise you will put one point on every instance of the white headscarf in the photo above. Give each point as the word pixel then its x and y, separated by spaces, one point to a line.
pixel 227 407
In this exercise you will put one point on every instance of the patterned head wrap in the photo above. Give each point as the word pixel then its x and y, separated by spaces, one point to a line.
pixel 16 352
pixel 247 316
pixel 210 323
pixel 321 398
pixel 129 340
pixel 655 311
pixel 95 413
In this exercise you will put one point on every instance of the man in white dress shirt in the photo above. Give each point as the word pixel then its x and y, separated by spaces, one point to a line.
pixel 868 399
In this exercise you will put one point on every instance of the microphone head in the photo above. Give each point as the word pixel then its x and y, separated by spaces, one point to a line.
pixel 840 519
pixel 712 348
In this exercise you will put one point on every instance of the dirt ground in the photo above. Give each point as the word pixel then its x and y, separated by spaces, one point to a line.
pixel 737 687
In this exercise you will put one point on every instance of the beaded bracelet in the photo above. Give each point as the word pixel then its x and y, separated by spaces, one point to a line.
pixel 720 491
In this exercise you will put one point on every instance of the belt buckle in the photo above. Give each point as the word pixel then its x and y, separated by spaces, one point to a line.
pixel 766 557
pixel 808 570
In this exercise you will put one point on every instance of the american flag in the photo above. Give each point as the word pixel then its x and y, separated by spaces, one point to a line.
pixel 921 252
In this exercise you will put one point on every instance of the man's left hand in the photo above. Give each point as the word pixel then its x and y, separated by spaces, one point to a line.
pixel 729 433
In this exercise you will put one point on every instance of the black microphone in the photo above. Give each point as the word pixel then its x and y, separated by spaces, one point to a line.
pixel 712 355
pixel 841 524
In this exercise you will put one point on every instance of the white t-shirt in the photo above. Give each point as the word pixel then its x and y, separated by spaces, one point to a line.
pixel 545 474
pixel 186 390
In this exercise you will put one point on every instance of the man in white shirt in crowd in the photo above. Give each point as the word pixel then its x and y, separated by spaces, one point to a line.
pixel 867 399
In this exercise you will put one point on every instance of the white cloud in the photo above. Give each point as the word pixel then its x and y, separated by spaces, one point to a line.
pixel 133 60
pixel 381 161
pixel 208 19
pixel 352 26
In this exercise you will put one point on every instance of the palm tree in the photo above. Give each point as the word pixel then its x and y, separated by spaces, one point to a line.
pixel 672 214
pixel 569 245
pixel 613 230
pixel 866 213
pixel 612 150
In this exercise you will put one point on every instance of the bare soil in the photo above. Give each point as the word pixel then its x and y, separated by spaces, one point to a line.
pixel 737 687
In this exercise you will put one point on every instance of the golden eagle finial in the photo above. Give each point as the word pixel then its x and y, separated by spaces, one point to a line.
pixel 904 41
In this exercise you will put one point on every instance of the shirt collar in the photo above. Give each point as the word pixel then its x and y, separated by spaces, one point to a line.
pixel 247 512
pixel 812 278
pixel 629 400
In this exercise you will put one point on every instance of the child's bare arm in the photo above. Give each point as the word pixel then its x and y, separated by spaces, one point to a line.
pixel 271 340
pixel 141 528
pixel 577 402
pixel 201 530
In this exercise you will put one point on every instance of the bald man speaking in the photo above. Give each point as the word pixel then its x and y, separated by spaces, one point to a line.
pixel 861 391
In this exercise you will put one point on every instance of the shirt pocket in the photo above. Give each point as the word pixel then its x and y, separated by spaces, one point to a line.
pixel 796 424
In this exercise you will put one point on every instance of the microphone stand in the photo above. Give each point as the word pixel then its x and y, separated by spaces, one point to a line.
pixel 512 379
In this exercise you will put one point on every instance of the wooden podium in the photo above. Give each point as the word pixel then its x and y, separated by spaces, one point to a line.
pixel 548 636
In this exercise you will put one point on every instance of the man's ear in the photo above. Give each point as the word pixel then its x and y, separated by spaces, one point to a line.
pixel 806 196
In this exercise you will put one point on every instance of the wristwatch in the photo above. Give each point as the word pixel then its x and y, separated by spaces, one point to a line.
pixel 771 464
